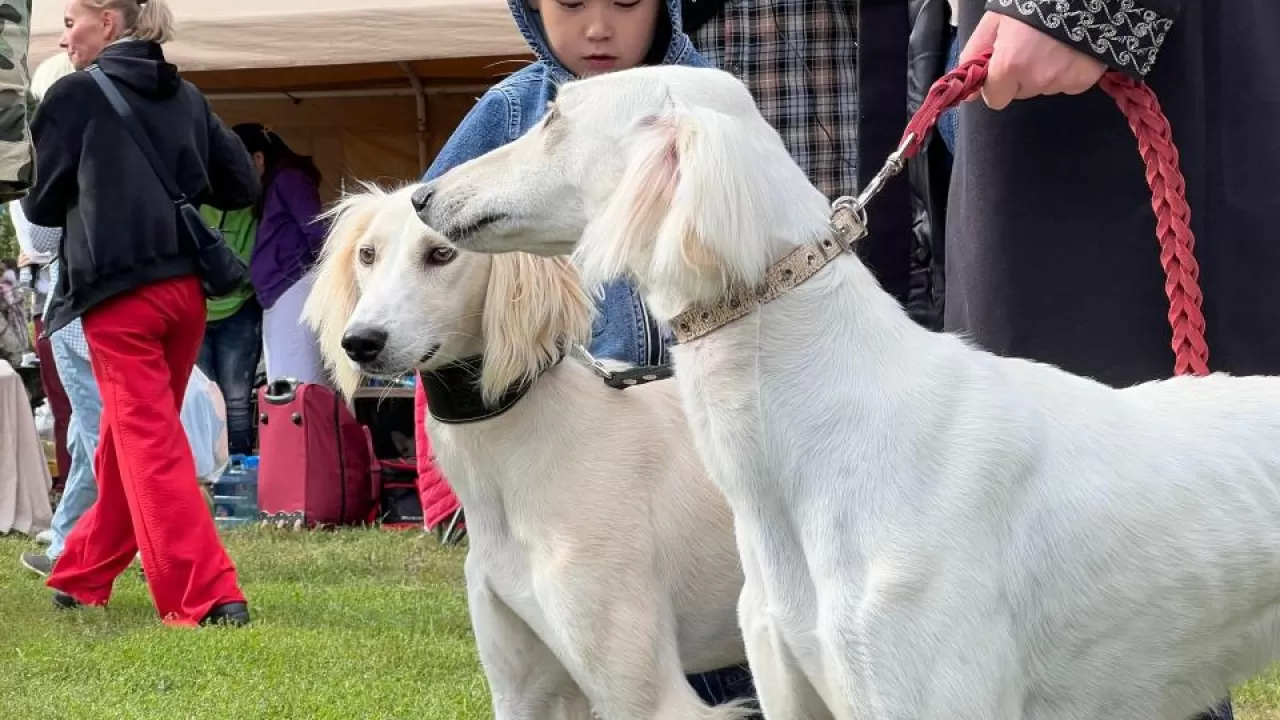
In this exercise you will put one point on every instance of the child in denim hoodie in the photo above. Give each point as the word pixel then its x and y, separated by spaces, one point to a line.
pixel 576 39
pixel 572 40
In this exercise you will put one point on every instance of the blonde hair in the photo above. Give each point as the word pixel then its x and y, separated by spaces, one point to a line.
pixel 49 72
pixel 143 19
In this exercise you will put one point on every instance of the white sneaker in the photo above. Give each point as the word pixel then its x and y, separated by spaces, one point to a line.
pixel 45 537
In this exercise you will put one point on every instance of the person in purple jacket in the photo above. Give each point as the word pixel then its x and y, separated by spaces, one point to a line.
pixel 288 241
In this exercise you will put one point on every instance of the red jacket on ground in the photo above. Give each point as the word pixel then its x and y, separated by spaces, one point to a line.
pixel 438 501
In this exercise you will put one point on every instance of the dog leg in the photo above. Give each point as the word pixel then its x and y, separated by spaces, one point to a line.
pixel 620 645
pixel 526 680
pixel 783 689
pixel 781 685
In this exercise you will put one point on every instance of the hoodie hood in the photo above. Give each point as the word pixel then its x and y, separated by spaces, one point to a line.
pixel 669 29
pixel 140 65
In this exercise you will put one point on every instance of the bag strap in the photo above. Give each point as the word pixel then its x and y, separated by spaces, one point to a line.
pixel 126 114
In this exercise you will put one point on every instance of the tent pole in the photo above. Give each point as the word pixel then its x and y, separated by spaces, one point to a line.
pixel 421 102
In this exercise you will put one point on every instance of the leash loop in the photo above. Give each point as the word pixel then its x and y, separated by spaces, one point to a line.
pixel 1168 191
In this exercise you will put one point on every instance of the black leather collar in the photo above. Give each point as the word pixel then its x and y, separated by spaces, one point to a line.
pixel 453 393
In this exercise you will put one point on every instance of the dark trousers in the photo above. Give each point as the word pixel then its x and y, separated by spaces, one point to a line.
pixel 229 357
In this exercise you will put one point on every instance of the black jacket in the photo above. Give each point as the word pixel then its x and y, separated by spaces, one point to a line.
pixel 929 173
pixel 1051 239
pixel 906 221
pixel 120 228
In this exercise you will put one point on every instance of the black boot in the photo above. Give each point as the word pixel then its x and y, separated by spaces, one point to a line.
pixel 234 614
pixel 63 601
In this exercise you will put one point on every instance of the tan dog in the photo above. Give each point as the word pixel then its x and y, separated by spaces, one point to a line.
pixel 602 564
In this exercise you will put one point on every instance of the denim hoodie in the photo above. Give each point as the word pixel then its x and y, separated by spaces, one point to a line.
pixel 623 329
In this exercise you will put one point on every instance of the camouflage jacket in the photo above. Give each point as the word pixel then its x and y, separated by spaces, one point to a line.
pixel 16 167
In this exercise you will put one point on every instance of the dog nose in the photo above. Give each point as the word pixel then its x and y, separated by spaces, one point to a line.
pixel 422 197
pixel 364 344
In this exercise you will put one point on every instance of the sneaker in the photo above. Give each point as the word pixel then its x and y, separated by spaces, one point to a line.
pixel 44 537
pixel 63 601
pixel 38 563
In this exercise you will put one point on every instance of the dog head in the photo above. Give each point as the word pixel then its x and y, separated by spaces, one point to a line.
pixel 667 175
pixel 393 296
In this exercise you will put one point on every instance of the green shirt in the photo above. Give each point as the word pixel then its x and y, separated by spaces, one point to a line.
pixel 239 228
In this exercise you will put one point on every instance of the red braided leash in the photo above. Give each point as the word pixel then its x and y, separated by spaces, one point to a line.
pixel 1168 192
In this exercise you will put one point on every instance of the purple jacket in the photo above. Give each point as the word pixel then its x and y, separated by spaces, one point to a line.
pixel 289 237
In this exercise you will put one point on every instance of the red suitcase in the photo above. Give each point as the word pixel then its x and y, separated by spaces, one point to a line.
pixel 317 465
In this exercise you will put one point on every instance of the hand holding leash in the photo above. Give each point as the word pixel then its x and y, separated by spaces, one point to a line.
pixel 1168 190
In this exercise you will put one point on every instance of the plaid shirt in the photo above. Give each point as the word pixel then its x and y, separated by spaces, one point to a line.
pixel 799 58
pixel 73 332
pixel 46 240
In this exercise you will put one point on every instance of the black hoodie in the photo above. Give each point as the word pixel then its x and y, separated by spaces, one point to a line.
pixel 92 180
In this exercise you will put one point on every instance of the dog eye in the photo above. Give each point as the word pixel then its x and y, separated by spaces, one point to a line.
pixel 441 255
pixel 367 255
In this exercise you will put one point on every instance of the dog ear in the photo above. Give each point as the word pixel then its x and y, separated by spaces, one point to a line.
pixel 688 194
pixel 635 212
pixel 534 309
pixel 335 292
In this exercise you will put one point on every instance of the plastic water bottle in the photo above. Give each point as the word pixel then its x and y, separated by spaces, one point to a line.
pixel 249 487
pixel 224 499
pixel 235 493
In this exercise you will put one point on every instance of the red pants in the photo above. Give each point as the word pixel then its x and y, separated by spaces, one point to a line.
pixel 143 345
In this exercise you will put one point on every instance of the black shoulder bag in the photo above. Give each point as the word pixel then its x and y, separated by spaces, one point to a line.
pixel 221 270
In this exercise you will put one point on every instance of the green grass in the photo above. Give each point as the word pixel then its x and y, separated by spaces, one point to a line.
pixel 356 624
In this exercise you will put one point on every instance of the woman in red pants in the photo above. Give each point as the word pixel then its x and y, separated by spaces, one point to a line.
pixel 130 276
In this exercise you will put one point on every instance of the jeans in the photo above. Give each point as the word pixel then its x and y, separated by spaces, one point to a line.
pixel 81 489
pixel 623 330
pixel 229 357
pixel 950 120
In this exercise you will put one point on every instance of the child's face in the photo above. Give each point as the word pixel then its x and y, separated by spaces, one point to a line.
pixel 598 36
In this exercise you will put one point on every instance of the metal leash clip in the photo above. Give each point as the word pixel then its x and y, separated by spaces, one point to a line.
pixel 623 379
pixel 595 364
pixel 857 206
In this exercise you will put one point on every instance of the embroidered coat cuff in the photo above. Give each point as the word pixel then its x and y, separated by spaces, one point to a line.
pixel 1124 34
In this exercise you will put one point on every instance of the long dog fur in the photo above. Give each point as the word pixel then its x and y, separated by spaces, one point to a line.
pixel 927 530
pixel 602 564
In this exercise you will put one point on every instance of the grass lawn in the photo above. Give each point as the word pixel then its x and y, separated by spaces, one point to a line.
pixel 357 624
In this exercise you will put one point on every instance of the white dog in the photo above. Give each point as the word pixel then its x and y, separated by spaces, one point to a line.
pixel 602 564
pixel 927 530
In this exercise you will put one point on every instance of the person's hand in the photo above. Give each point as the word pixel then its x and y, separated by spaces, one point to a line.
pixel 23 260
pixel 1026 62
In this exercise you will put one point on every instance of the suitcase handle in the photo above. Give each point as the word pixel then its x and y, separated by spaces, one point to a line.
pixel 375 477
pixel 281 392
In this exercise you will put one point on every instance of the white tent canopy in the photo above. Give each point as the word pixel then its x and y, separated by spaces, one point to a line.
pixel 370 89
pixel 240 34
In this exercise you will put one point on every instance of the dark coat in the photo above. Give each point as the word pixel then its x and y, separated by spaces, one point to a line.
pixel 929 173
pixel 906 221
pixel 121 229
pixel 1051 246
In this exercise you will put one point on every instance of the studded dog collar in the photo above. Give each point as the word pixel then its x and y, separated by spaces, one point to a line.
pixel 847 227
